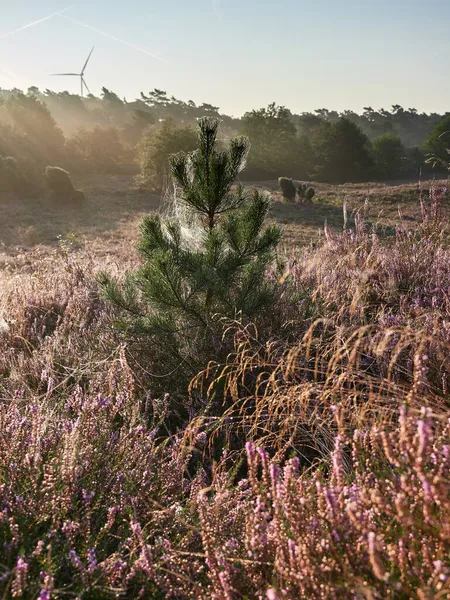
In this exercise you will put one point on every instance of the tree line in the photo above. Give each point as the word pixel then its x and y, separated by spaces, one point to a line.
pixel 110 134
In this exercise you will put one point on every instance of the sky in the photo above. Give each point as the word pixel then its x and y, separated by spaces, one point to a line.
pixel 236 54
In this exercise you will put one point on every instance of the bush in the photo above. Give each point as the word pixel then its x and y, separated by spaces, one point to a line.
pixel 60 185
pixel 310 193
pixel 156 147
pixel 305 192
pixel 212 264
pixel 287 188
pixel 9 174
pixel 14 179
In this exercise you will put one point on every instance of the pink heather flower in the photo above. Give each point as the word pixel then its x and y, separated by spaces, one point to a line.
pixel 39 548
pixel 92 560
pixel 201 439
pixel 250 449
pixel 272 594
pixel 423 431
pixel 75 559
pixel 44 595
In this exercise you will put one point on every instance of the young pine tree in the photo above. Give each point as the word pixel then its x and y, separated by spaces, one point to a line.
pixel 216 266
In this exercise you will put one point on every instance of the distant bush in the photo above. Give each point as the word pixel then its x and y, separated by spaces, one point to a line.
pixel 60 185
pixel 287 188
pixel 302 187
pixel 14 179
pixel 9 175
pixel 305 192
pixel 155 148
pixel 310 193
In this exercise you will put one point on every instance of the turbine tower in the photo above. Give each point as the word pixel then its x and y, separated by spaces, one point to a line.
pixel 80 75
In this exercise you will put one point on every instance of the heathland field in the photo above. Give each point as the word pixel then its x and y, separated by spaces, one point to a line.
pixel 105 227
pixel 226 396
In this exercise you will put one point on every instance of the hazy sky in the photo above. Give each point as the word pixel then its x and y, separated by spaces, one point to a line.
pixel 237 54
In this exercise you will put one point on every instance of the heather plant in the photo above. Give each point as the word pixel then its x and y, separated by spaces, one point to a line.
pixel 60 185
pixel 93 503
pixel 213 264
pixel 330 434
pixel 287 188
pixel 372 524
pixel 369 317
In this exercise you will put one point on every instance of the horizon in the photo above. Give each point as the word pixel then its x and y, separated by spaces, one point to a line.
pixel 375 59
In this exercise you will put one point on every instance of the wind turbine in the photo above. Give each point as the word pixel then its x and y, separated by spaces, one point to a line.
pixel 80 75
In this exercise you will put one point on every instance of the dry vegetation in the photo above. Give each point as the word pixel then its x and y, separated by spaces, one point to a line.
pixel 106 226
pixel 313 464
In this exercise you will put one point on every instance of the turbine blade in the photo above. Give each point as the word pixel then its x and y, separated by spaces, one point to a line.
pixel 85 64
pixel 85 85
pixel 71 74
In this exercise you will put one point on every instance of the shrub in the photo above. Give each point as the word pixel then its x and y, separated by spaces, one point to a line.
pixel 9 174
pixel 15 179
pixel 156 147
pixel 60 185
pixel 287 188
pixel 213 263
pixel 310 193
pixel 302 187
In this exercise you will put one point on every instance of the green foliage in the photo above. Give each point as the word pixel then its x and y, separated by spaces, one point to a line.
pixel 98 149
pixel 33 120
pixel 140 121
pixel 287 188
pixel 438 142
pixel 390 155
pixel 9 174
pixel 212 265
pixel 301 190
pixel 305 192
pixel 342 152
pixel 275 145
pixel 155 148
pixel 14 179
pixel 60 185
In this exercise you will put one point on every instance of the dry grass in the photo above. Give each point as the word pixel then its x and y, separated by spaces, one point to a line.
pixel 103 500
pixel 105 228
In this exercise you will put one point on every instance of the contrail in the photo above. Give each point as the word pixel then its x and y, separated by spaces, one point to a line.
pixel 113 37
pixel 55 14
